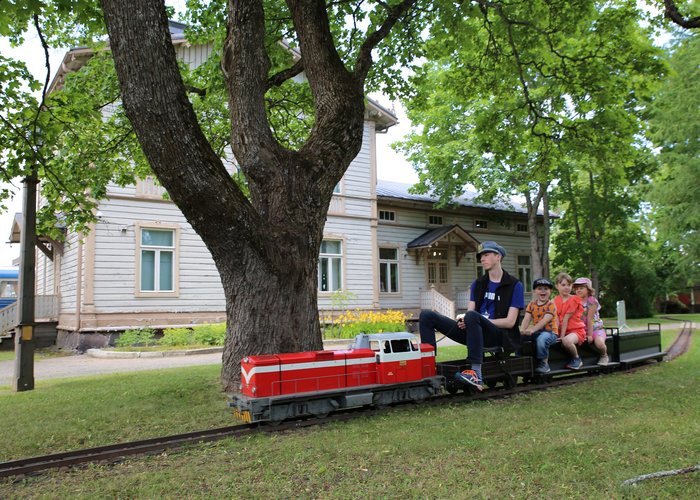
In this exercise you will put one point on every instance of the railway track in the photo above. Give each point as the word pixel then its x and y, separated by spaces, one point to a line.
pixel 681 344
pixel 116 453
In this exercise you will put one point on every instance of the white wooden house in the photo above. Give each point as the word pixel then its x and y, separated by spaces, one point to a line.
pixel 142 264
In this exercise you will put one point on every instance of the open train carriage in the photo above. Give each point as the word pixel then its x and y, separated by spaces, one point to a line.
pixel 625 349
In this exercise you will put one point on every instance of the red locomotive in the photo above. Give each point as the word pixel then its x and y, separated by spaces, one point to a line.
pixel 378 369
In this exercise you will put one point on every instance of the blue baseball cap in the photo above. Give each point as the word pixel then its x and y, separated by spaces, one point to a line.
pixel 490 246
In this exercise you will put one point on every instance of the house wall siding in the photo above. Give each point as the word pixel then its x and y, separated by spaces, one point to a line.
pixel 115 279
pixel 412 222
pixel 113 271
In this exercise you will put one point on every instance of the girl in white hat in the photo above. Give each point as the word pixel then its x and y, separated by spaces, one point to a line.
pixel 595 332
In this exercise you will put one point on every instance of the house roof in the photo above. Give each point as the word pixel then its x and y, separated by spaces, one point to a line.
pixel 77 57
pixel 399 190
pixel 16 229
pixel 429 238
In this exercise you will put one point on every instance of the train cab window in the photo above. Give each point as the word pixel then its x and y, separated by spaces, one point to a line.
pixel 374 345
pixel 387 347
pixel 414 345
pixel 401 345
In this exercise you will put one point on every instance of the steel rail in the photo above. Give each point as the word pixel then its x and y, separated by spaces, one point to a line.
pixel 116 452
pixel 681 344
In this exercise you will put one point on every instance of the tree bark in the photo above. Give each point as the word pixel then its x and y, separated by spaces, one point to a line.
pixel 266 247
pixel 539 237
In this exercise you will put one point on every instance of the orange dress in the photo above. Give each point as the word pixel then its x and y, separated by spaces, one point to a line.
pixel 575 324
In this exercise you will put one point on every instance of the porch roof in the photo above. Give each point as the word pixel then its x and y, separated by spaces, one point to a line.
pixel 432 236
pixel 16 229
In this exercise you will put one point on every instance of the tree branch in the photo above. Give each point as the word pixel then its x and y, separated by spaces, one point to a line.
pixel 364 56
pixel 672 13
pixel 279 78
pixel 45 46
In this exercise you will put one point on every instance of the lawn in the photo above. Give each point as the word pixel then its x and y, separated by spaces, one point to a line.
pixel 580 441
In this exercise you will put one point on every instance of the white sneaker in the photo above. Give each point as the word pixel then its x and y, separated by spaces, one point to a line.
pixel 603 360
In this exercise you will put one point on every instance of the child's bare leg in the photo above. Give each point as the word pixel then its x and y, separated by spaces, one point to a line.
pixel 569 343
pixel 599 343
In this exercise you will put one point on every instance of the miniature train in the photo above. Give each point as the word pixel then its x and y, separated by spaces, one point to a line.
pixel 387 368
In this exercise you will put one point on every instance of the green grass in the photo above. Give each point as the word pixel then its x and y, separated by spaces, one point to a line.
pixel 574 442
pixel 38 354
pixel 64 414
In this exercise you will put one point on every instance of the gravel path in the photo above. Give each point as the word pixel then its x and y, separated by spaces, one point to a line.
pixel 84 365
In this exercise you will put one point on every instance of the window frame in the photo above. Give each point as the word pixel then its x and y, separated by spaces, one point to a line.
pixel 481 224
pixel 392 212
pixel 435 222
pixel 340 257
pixel 389 263
pixel 175 249
pixel 526 270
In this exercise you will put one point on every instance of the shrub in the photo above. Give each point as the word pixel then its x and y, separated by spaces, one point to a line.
pixel 177 336
pixel 137 337
pixel 214 334
pixel 352 323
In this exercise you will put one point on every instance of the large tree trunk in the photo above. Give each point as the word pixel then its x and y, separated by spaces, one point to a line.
pixel 539 236
pixel 265 247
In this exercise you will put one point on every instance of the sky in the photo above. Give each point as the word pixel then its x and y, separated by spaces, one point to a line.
pixel 390 165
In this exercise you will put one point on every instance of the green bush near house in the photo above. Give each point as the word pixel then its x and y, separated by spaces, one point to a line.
pixel 136 337
pixel 196 336
pixel 213 334
pixel 177 337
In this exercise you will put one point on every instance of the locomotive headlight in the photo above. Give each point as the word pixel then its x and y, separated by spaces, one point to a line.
pixel 254 390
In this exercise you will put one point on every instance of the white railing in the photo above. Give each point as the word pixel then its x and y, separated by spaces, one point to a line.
pixel 45 308
pixel 9 317
pixel 462 299
pixel 433 300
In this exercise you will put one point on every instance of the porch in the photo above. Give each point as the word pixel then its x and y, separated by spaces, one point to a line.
pixel 45 314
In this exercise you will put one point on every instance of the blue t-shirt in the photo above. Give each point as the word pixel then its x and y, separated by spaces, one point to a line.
pixel 488 306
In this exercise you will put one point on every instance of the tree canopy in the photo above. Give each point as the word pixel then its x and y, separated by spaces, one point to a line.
pixel 675 192
pixel 515 99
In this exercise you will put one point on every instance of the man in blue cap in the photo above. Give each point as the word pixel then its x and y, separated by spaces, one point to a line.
pixel 495 301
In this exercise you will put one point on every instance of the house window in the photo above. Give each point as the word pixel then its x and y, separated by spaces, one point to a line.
pixel 481 224
pixel 387 215
pixel 435 220
pixel 157 260
pixel 521 228
pixel 388 270
pixel 330 265
pixel 525 272
pixel 437 266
